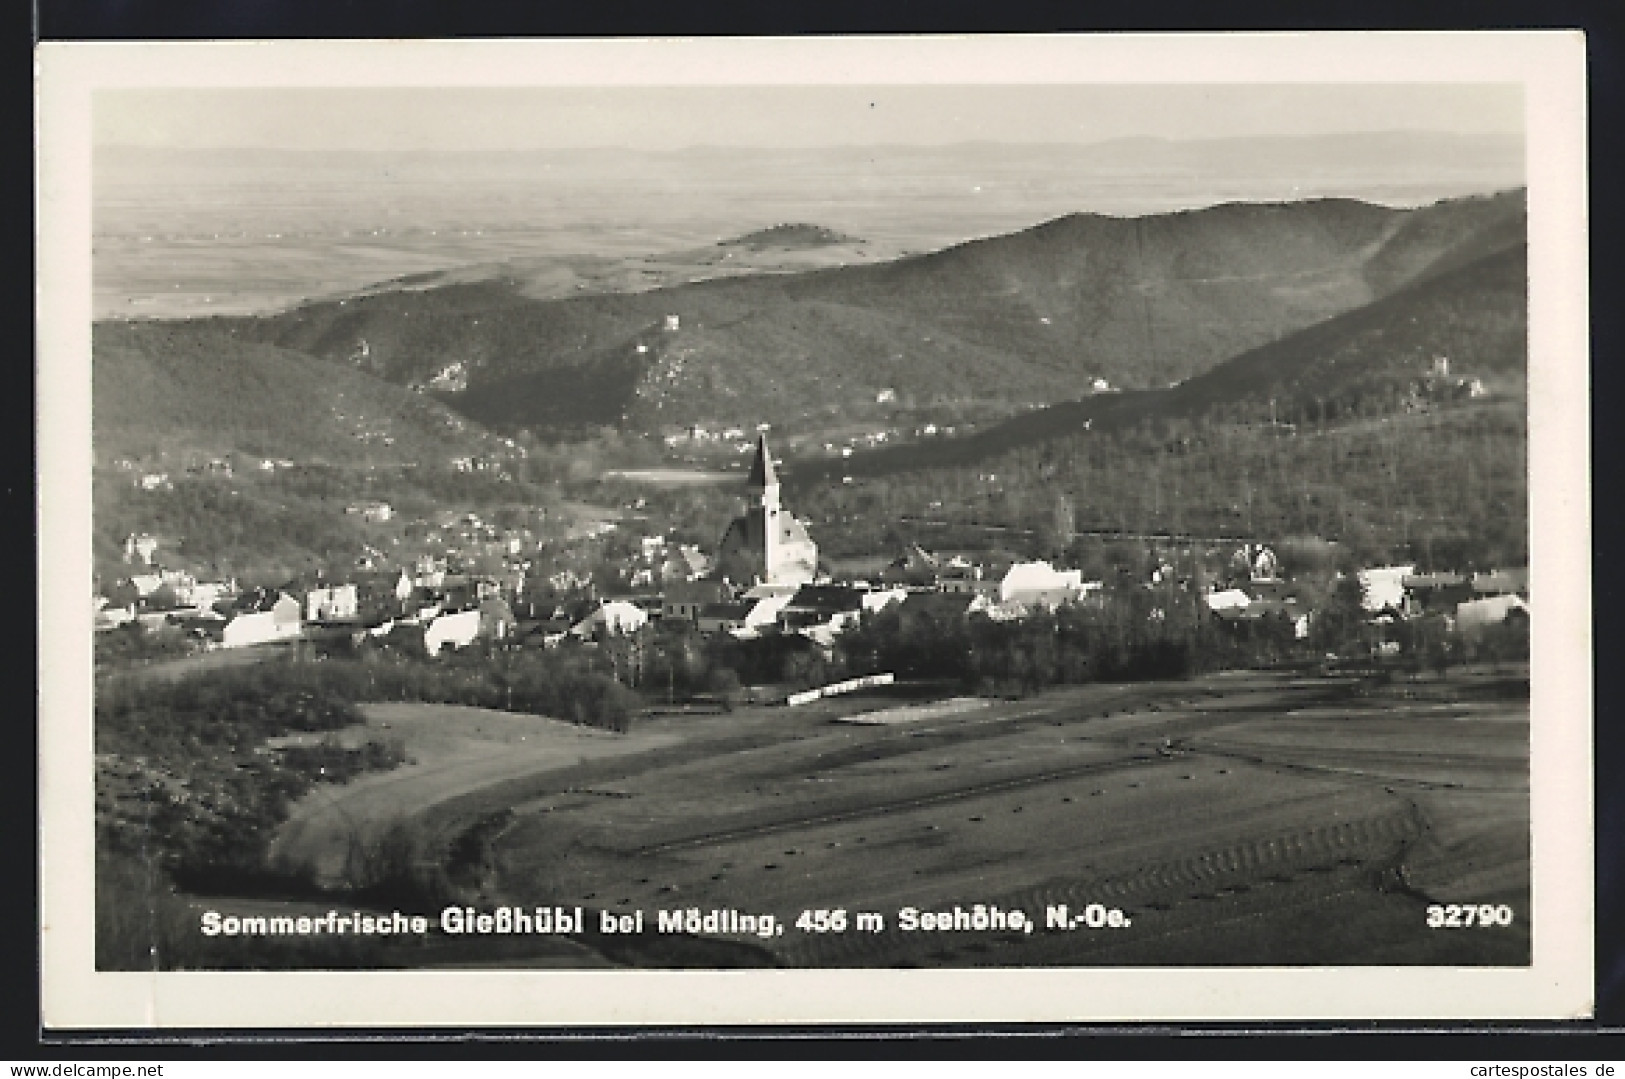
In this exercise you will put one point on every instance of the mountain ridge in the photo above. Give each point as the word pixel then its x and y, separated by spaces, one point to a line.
pixel 1033 315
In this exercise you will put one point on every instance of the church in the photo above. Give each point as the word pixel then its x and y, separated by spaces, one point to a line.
pixel 767 544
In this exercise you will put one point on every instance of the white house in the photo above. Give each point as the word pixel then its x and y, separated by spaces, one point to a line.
pixel 336 603
pixel 958 575
pixel 140 546
pixel 1383 586
pixel 278 623
pixel 879 598
pixel 1488 611
pixel 1227 599
pixel 765 611
pixel 108 617
pixel 614 616
pixel 457 630
pixel 147 583
pixel 1040 584
pixel 205 594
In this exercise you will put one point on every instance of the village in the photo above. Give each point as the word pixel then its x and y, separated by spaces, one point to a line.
pixel 489 583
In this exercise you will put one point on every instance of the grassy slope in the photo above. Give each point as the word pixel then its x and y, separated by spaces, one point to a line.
pixel 177 386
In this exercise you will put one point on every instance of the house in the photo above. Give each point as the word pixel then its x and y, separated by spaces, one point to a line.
pixel 205 594
pixel 612 616
pixel 1260 609
pixel 110 617
pixel 926 608
pixel 765 601
pixel 723 617
pixel 422 606
pixel 496 618
pixel 1039 584
pixel 153 620
pixel 1001 611
pixel 1257 562
pixel 1383 587
pixel 457 630
pixel 915 566
pixel 832 605
pixel 684 564
pixel 1488 610
pixel 958 575
pixel 875 599
pixel 1227 599
pixel 262 617
pixel 141 547
pixel 147 583
pixel 202 625
pixel 547 632
pixel 1435 593
pixel 683 599
pixel 1505 582
pixel 334 603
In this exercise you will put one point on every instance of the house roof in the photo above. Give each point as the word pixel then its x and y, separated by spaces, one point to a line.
pixel 937 603
pixel 1434 580
pixel 730 611
pixel 1501 581
pixel 826 598
pixel 696 592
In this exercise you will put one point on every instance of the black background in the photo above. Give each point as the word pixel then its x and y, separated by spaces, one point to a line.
pixel 58 20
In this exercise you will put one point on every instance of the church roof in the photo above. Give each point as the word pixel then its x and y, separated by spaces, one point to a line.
pixel 761 469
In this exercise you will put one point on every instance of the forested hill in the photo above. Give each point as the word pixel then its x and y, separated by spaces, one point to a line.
pixel 159 390
pixel 1366 360
pixel 1035 315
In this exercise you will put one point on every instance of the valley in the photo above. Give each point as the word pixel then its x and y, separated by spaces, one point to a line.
pixel 1169 557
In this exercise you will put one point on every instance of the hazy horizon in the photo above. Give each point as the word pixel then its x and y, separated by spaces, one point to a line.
pixel 783 117
pixel 741 147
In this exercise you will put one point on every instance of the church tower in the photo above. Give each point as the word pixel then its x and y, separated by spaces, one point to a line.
pixel 764 487
pixel 766 542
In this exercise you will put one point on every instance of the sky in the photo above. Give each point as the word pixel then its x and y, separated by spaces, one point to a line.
pixel 669 118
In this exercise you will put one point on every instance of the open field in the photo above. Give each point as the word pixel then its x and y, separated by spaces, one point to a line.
pixel 453 750
pixel 1234 819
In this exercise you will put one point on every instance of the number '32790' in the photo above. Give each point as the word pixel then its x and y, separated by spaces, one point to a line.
pixel 1468 916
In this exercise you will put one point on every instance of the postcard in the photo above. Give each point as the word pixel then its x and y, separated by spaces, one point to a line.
pixel 758 531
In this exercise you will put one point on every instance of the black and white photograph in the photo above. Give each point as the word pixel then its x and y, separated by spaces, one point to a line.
pixel 866 512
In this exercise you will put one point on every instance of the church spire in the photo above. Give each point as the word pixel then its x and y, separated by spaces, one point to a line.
pixel 762 475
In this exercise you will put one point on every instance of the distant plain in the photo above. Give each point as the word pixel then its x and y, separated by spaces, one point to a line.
pixel 197 233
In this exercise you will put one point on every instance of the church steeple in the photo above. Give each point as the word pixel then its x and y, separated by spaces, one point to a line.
pixel 767 538
pixel 763 481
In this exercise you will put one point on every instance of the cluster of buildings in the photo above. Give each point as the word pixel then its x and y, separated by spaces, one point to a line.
pixel 1389 596
pixel 767 579
pixel 1466 601
pixel 764 578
